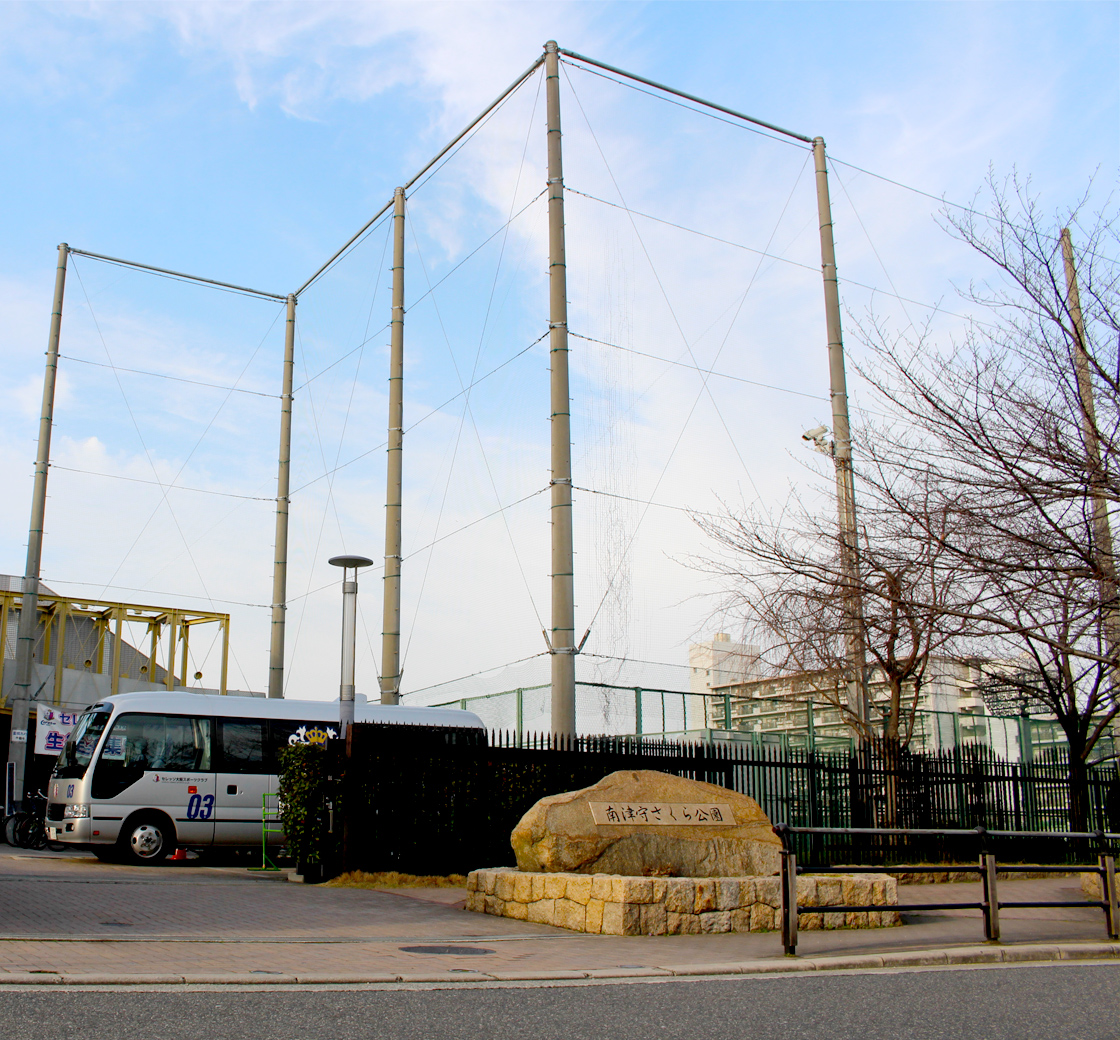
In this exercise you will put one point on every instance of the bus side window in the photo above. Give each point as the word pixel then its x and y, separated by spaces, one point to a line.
pixel 140 743
pixel 241 743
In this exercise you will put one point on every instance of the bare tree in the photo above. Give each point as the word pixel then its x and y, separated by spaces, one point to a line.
pixel 784 580
pixel 1011 440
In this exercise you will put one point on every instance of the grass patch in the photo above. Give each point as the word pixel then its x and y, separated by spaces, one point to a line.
pixel 393 879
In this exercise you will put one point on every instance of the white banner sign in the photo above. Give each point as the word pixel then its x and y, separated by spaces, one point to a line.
pixel 52 729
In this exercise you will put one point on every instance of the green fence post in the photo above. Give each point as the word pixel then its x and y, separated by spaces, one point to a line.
pixel 727 711
pixel 520 710
pixel 268 815
pixel 810 729
pixel 637 711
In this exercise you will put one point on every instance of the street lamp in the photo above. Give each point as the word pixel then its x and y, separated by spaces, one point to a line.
pixel 349 635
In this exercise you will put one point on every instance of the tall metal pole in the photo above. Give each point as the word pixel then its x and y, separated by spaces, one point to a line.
pixel 349 641
pixel 1102 533
pixel 391 607
pixel 283 477
pixel 842 450
pixel 562 643
pixel 29 603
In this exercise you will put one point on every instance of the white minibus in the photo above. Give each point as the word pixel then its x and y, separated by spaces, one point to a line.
pixel 145 773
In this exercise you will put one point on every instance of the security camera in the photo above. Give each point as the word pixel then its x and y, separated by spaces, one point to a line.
pixel 818 437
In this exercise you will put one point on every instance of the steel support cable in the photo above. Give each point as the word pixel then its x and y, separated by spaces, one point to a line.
pixel 475 675
pixel 971 210
pixel 369 642
pixel 473 523
pixel 498 101
pixel 360 349
pixel 465 393
pixel 330 503
pixel 226 516
pixel 342 357
pixel 772 256
pixel 441 538
pixel 190 455
pixel 664 293
pixel 467 410
pixel 695 231
pixel 666 505
pixel 173 487
pixel 721 375
pixel 704 387
pixel 368 228
pixel 482 245
pixel 479 119
pixel 154 592
pixel 148 455
pixel 427 415
pixel 695 368
pixel 451 155
pixel 175 379
pixel 867 235
pixel 738 122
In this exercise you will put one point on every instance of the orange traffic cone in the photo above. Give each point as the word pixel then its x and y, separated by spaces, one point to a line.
pixel 178 856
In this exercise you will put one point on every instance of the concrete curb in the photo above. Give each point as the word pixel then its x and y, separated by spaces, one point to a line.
pixel 942 957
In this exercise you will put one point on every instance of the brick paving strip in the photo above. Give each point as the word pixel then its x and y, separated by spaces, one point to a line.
pixel 73 921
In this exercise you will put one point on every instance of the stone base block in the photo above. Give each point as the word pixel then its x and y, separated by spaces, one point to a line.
pixel 605 904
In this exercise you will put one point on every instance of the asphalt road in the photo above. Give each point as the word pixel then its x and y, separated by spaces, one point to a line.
pixel 1073 1002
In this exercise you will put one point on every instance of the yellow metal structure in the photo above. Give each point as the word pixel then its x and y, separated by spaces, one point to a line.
pixel 168 631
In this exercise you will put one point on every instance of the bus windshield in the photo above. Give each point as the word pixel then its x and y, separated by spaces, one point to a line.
pixel 76 754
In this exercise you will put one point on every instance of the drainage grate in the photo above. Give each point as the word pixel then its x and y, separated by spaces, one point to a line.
pixel 453 951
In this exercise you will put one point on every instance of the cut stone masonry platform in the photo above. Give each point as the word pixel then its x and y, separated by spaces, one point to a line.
pixel 612 905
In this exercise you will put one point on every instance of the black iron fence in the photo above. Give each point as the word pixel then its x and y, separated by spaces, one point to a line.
pixel 427 801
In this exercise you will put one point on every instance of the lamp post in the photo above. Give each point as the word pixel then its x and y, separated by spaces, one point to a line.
pixel 349 635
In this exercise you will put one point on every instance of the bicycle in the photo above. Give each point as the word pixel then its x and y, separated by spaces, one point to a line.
pixel 27 829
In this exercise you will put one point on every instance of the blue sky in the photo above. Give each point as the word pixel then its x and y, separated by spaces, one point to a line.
pixel 247 141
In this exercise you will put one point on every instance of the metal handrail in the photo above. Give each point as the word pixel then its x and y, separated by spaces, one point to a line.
pixel 987 867
pixel 785 828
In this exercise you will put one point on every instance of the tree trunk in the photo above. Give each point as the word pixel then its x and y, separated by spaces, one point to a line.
pixel 890 757
pixel 1078 790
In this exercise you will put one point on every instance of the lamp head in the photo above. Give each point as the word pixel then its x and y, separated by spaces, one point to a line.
pixel 350 561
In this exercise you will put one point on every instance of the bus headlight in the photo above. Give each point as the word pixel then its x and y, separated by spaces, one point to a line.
pixel 73 812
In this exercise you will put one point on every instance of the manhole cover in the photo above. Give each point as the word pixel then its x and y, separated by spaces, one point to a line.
pixel 454 951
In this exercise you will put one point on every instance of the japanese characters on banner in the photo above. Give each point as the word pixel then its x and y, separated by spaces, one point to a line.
pixel 52 729
pixel 671 814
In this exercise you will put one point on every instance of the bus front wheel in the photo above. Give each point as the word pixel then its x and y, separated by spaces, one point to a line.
pixel 147 839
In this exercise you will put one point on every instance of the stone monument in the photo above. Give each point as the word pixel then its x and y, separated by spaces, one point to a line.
pixel 644 823
pixel 648 853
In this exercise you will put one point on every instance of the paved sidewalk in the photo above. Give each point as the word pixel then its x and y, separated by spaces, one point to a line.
pixel 73 919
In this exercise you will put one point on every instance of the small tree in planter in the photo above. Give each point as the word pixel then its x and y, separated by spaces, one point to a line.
pixel 310 790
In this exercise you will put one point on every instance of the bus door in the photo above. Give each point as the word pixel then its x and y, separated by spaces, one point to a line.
pixel 242 780
pixel 160 762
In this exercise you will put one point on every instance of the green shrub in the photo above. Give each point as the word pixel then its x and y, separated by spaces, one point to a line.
pixel 310 785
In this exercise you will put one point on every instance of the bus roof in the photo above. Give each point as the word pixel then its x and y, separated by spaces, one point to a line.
pixel 175 703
